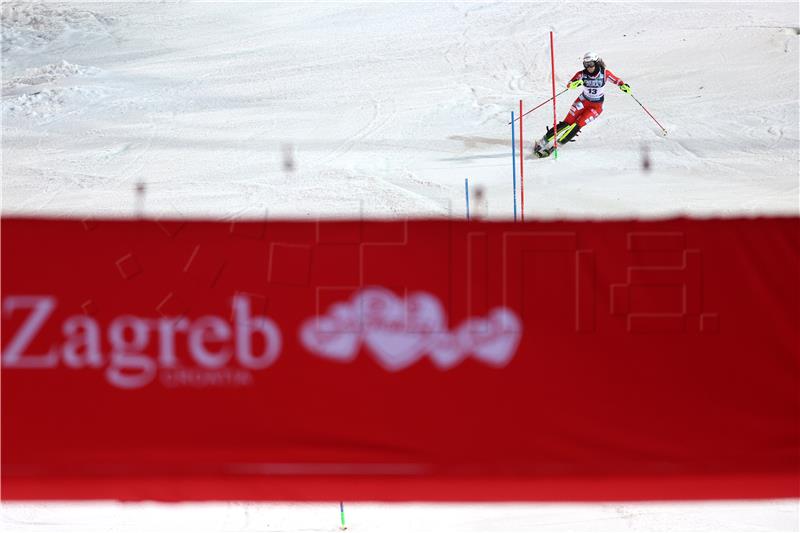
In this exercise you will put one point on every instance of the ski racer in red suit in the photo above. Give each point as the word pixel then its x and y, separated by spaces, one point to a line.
pixel 587 106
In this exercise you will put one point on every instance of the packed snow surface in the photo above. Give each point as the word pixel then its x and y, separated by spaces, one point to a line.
pixel 717 517
pixel 243 109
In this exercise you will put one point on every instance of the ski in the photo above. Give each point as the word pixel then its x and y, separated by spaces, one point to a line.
pixel 545 146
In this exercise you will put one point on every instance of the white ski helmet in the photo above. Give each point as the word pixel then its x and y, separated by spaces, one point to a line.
pixel 590 59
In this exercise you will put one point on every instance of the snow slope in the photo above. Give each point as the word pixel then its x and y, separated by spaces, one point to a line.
pixel 243 109
pixel 715 517
pixel 384 108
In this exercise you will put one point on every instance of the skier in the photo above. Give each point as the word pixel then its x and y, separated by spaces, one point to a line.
pixel 587 106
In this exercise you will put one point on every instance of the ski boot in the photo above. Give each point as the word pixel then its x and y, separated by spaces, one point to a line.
pixel 566 133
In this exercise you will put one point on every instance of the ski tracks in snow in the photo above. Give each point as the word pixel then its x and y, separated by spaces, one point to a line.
pixel 397 93
pixel 378 120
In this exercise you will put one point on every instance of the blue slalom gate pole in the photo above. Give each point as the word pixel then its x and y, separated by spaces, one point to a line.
pixel 514 165
pixel 466 194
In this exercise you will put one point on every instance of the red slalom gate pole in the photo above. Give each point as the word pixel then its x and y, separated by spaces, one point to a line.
pixel 521 171
pixel 555 118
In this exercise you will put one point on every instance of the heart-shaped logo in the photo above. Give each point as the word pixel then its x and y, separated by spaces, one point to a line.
pixel 493 340
pixel 396 350
pixel 395 329
pixel 425 314
pixel 400 331
pixel 331 337
pixel 376 307
pixel 445 350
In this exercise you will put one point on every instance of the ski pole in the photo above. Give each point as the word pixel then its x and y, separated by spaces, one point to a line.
pixel 538 106
pixel 651 116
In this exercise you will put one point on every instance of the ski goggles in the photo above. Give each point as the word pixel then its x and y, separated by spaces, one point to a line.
pixel 589 64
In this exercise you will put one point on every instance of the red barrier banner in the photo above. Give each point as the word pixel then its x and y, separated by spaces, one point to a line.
pixel 405 360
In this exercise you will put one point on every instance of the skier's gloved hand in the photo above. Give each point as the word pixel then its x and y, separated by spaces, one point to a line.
pixel 625 88
pixel 574 84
